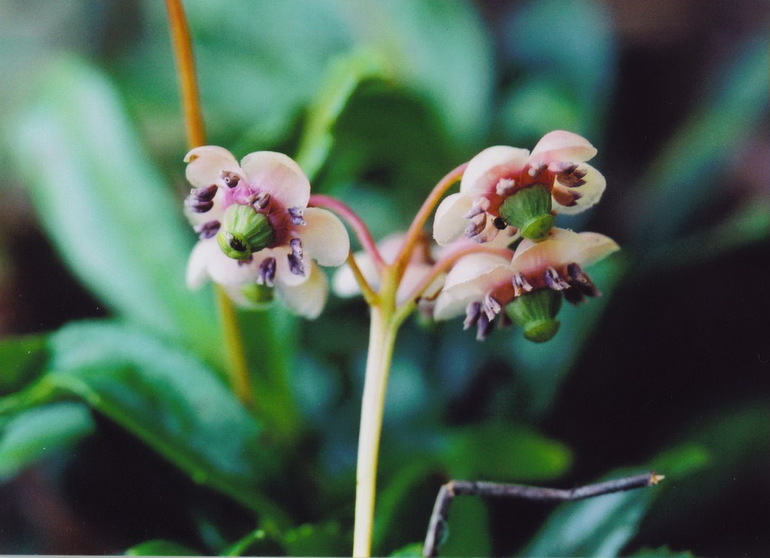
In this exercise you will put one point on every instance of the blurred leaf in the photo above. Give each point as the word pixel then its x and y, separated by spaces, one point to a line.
pixel 170 400
pixel 325 539
pixel 467 531
pixel 161 547
pixel 664 552
pixel 413 550
pixel 536 107
pixel 453 69
pixel 684 176
pixel 105 207
pixel 344 76
pixel 547 39
pixel 30 435
pixel 22 360
pixel 603 525
pixel 244 545
pixel 503 451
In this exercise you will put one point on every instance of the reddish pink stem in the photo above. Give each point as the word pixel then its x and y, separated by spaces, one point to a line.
pixel 430 203
pixel 355 222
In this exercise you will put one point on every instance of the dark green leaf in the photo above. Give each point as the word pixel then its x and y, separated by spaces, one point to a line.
pixel 32 434
pixel 326 539
pixel 244 545
pixel 663 552
pixel 413 550
pixel 170 400
pixel 467 529
pixel 503 451
pixel 108 211
pixel 21 361
pixel 161 547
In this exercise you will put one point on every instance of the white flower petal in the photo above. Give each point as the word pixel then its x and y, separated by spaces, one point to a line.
pixel 590 192
pixel 560 248
pixel 205 165
pixel 197 265
pixel 208 261
pixel 344 282
pixel 214 214
pixel 283 273
pixel 279 175
pixel 307 299
pixel 481 269
pixel 449 223
pixel 562 146
pixel 413 276
pixel 487 168
pixel 324 237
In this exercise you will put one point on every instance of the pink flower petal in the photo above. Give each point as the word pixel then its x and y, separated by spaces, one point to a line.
pixel 560 248
pixel 561 146
pixel 449 224
pixel 205 165
pixel 278 175
pixel 324 237
pixel 469 280
pixel 487 168
pixel 208 261
pixel 590 192
pixel 308 298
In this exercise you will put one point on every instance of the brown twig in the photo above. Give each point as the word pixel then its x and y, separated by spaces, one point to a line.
pixel 490 489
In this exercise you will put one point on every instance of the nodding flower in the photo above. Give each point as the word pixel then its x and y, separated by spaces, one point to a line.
pixel 510 187
pixel 257 237
pixel 526 289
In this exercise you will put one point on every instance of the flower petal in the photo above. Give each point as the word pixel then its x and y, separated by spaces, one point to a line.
pixel 309 298
pixel 283 273
pixel 560 248
pixel 205 165
pixel 470 279
pixel 487 168
pixel 344 282
pixel 208 261
pixel 590 192
pixel 449 223
pixel 279 175
pixel 561 146
pixel 324 237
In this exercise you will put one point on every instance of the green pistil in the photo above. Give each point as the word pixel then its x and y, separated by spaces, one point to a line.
pixel 535 313
pixel 243 232
pixel 529 210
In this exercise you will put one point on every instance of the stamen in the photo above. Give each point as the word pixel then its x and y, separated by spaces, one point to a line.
pixel 204 194
pixel 520 285
pixel 505 187
pixel 472 314
pixel 553 280
pixel 296 247
pixel 491 306
pixel 477 224
pixel 199 206
pixel 246 261
pixel 296 216
pixel 574 296
pixel 535 170
pixel 208 229
pixel 230 179
pixel 267 272
pixel 260 200
pixel 581 280
pixel 567 198
pixel 296 265
pixel 484 327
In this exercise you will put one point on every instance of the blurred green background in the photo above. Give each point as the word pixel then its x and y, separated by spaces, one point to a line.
pixel 118 429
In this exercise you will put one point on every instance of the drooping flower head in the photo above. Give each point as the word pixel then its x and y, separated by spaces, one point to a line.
pixel 257 235
pixel 527 288
pixel 511 187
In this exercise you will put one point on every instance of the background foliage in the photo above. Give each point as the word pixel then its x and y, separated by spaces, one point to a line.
pixel 117 429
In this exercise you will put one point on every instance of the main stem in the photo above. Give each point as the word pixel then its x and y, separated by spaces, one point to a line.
pixel 382 337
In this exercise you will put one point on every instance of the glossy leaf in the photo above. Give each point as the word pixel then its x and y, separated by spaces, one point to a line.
pixel 169 399
pixel 161 547
pixel 21 361
pixel 106 208
pixel 32 434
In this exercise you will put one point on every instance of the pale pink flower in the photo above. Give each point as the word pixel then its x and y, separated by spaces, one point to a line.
pixel 557 165
pixel 483 285
pixel 255 228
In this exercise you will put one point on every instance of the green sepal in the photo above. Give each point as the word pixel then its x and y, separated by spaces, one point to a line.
pixel 529 210
pixel 535 313
pixel 243 232
pixel 258 294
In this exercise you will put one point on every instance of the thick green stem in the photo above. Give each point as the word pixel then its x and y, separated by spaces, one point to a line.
pixel 382 337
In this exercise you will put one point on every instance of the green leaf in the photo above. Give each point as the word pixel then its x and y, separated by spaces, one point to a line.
pixel 504 451
pixel 161 547
pixel 326 539
pixel 32 434
pixel 663 552
pixel 344 76
pixel 685 175
pixel 169 399
pixel 244 544
pixel 412 550
pixel 602 526
pixel 22 360
pixel 467 531
pixel 108 211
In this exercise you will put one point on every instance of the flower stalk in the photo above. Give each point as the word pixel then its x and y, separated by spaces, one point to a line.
pixel 237 367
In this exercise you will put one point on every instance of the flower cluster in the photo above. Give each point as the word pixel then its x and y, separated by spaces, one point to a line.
pixel 258 238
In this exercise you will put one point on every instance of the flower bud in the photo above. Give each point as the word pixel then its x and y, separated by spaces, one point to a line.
pixel 529 210
pixel 535 312
pixel 243 232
